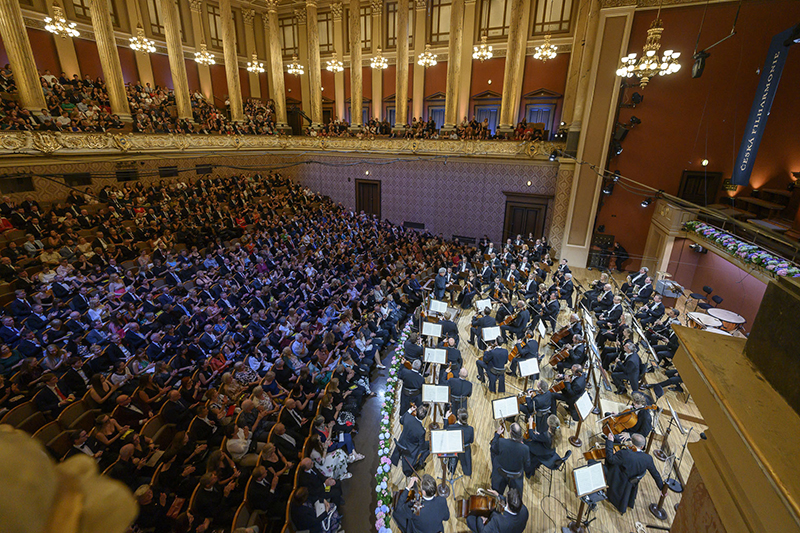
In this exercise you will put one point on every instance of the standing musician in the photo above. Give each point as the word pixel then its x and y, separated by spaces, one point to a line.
pixel 637 279
pixel 519 324
pixel 573 389
pixel 526 349
pixel 650 313
pixel 479 321
pixel 539 403
pixel 454 360
pixel 595 290
pixel 565 290
pixel 513 518
pixel 624 470
pixel 577 354
pixel 510 459
pixel 412 444
pixel 641 295
pixel 541 444
pixel 467 438
pixel 451 286
pixel 411 348
pixel 440 284
pixel 604 301
pixel 460 390
pixel 494 364
pixel 412 385
pixel 432 510
pixel 626 368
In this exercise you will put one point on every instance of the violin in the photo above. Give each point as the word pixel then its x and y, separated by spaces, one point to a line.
pixel 624 421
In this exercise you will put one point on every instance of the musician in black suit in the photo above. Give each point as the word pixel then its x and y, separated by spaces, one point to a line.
pixel 512 519
pixel 487 274
pixel 531 288
pixel 573 390
pixel 539 403
pixel 412 446
pixel 412 385
pixel 460 390
pixel 550 311
pixel 526 349
pixel 635 279
pixel 643 293
pixel 650 313
pixel 433 511
pixel 626 368
pixel 493 364
pixel 565 289
pixel 540 444
pixel 411 350
pixel 449 328
pixel 604 300
pixel 482 319
pixel 624 470
pixel 467 438
pixel 608 319
pixel 577 354
pixel 510 459
pixel 454 360
pixel 440 284
pixel 519 324
pixel 575 328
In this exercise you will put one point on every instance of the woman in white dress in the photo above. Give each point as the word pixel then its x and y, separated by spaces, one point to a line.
pixel 331 464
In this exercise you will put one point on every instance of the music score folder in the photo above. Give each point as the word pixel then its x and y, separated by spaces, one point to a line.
pixel 589 479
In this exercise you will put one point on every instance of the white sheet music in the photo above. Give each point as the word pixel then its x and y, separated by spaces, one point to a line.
pixel 505 407
pixel 435 393
pixel 438 307
pixel 435 355
pixel 528 367
pixel 431 330
pixel 542 329
pixel 584 405
pixel 480 305
pixel 445 441
pixel 491 334
pixel 589 479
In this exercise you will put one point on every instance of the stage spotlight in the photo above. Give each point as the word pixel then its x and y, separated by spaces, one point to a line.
pixel 635 121
pixel 699 63
pixel 646 202
pixel 697 248
pixel 636 99
pixel 609 188
pixel 616 148
pixel 553 155
pixel 617 175
pixel 620 133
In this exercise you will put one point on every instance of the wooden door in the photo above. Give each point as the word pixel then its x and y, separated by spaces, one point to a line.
pixel 524 214
pixel 700 188
pixel 368 197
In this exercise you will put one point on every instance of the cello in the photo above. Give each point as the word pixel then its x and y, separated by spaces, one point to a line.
pixel 560 334
pixel 478 505
pixel 625 420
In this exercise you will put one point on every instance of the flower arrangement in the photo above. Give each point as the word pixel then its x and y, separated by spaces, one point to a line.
pixel 383 512
pixel 749 253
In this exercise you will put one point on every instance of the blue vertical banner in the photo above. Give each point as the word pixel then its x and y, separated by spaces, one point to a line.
pixel 757 121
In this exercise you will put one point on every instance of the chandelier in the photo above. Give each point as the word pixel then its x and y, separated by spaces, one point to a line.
pixel 545 51
pixel 482 52
pixel 649 64
pixel 379 62
pixel 58 25
pixel 427 58
pixel 334 65
pixel 255 66
pixel 140 43
pixel 295 67
pixel 204 57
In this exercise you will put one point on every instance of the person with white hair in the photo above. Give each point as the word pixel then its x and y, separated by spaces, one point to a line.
pixel 440 284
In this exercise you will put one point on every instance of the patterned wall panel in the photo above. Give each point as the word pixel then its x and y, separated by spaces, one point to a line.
pixel 561 204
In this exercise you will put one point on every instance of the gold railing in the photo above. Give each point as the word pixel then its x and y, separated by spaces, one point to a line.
pixel 54 144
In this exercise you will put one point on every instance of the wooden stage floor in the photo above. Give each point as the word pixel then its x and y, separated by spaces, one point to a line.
pixel 549 505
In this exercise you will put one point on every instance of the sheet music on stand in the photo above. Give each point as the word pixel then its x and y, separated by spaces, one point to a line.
pixel 480 305
pixel 438 307
pixel 505 407
pixel 584 405
pixel 542 329
pixel 490 334
pixel 435 393
pixel 435 355
pixel 446 442
pixel 528 367
pixel 431 330
pixel 589 479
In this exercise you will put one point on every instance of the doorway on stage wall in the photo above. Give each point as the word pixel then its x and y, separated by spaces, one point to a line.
pixel 368 197
pixel 525 213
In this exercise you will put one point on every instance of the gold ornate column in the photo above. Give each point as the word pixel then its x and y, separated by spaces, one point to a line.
pixel 249 47
pixel 177 63
pixel 401 91
pixel 453 66
pixel 109 58
pixel 204 73
pixel 276 64
pixel 144 67
pixel 20 56
pixel 356 90
pixel 269 89
pixel 377 74
pixel 65 49
pixel 515 65
pixel 420 38
pixel 337 10
pixel 314 73
pixel 231 60
pixel 465 80
pixel 302 49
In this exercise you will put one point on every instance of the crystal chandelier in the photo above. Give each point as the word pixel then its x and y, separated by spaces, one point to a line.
pixel 427 58
pixel 334 65
pixel 295 67
pixel 255 66
pixel 140 43
pixel 649 64
pixel 545 51
pixel 482 52
pixel 379 62
pixel 204 57
pixel 58 25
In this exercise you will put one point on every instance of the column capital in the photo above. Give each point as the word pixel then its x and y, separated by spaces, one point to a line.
pixel 300 14
pixel 272 5
pixel 421 5
pixel 311 3
pixel 337 8
pixel 196 5
pixel 248 15
pixel 265 20
pixel 377 7
pixel 469 2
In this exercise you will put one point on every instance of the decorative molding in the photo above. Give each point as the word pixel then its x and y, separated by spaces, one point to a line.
pixel 336 9
pixel 248 15
pixel 70 144
pixel 272 5
pixel 654 3
pixel 196 6
pixel 300 15
pixel 377 7
pixel 421 4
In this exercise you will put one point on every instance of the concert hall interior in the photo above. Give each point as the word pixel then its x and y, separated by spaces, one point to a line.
pixel 242 290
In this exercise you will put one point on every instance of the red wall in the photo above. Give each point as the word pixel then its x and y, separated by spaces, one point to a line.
pixel 436 79
pixel 193 75
pixel 551 75
pixel 162 75
pixel 328 89
pixel 741 292
pixel 4 55
pixel 244 83
pixel 44 51
pixel 88 59
pixel 389 81
pixel 219 83
pixel 704 118
pixel 292 86
pixel 127 58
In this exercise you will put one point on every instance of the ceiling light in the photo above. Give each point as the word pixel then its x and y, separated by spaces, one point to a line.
pixel 704 162
pixel 545 51
pixel 58 25
pixel 295 67
pixel 650 64
pixel 553 155
pixel 427 58
pixel 140 43
pixel 204 57
pixel 334 65
pixel 255 66
pixel 483 51
pixel 379 62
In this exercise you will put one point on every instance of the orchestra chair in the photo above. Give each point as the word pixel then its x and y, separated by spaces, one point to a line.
pixel 697 297
pixel 705 306
pixel 557 464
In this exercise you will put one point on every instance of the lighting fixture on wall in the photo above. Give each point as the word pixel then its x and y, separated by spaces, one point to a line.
pixel 646 202
pixel 295 67
pixel 379 62
pixel 334 65
pixel 427 58
pixel 704 162
pixel 204 57
pixel 616 147
pixel 545 51
pixel 140 43
pixel 255 66
pixel 553 155
pixel 609 188
pixel 697 248
pixel 649 64
pixel 483 51
pixel 58 25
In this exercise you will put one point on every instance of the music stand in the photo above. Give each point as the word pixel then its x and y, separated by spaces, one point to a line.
pixel 584 407
pixel 446 443
pixel 480 305
pixel 503 408
pixel 436 357
pixel 438 395
pixel 430 329
pixel 490 334
pixel 590 482
pixel 437 306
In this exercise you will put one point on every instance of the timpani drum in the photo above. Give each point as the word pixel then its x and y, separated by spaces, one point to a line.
pixel 718 331
pixel 702 321
pixel 730 320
